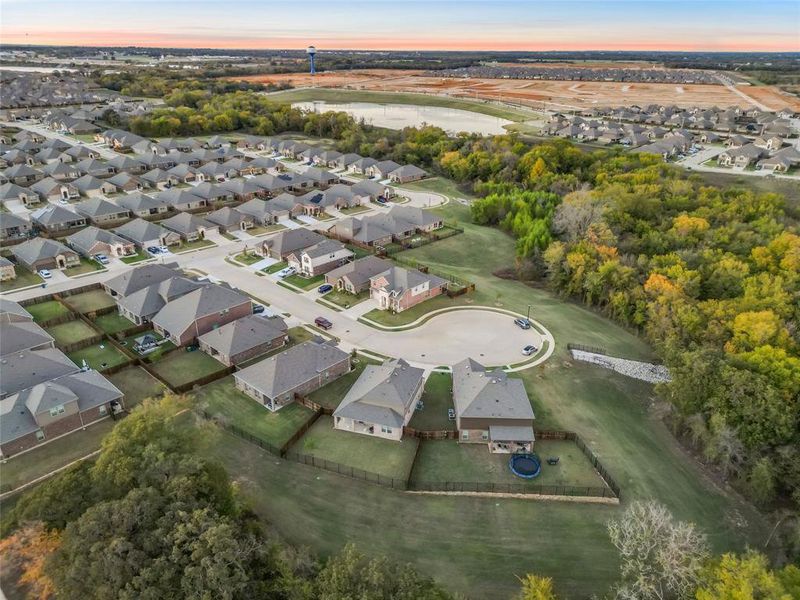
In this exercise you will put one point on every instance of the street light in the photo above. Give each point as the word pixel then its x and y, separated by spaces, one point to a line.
pixel 528 318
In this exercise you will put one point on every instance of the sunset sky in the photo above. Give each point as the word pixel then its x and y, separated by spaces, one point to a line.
pixel 758 25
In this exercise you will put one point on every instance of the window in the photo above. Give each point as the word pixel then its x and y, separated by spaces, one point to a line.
pixel 385 429
pixel 39 435
pixel 465 435
pixel 485 435
pixel 57 410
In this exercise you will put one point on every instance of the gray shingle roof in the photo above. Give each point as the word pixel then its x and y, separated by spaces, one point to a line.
pixel 140 231
pixel 86 238
pixel 293 239
pixel 21 335
pixel 141 277
pixel 177 316
pixel 244 334
pixel 482 394
pixel 37 249
pixel 22 370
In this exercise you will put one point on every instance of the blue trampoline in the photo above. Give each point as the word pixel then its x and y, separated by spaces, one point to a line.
pixel 526 466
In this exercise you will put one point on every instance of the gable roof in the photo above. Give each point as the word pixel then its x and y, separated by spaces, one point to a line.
pixel 146 302
pixel 292 240
pixel 177 316
pixel 482 394
pixel 140 231
pixel 141 277
pixel 21 335
pixel 39 248
pixel 22 370
pixel 186 223
pixel 399 280
pixel 244 334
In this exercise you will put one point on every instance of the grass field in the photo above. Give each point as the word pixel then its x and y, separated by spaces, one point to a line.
pixel 376 455
pixel 130 341
pixel 137 384
pixel 331 394
pixel 44 311
pixel 90 301
pixel 338 95
pixel 52 455
pixel 276 267
pixel 85 266
pixel 98 358
pixel 23 279
pixel 71 332
pixel 248 259
pixel 222 399
pixel 447 460
pixel 436 398
pixel 113 323
pixel 181 367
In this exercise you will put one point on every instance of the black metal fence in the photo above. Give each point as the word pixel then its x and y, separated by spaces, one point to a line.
pixel 352 472
pixel 584 348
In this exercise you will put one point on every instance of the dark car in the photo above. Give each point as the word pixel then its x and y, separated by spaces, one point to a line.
pixel 153 250
pixel 323 323
pixel 258 308
pixel 325 288
pixel 522 323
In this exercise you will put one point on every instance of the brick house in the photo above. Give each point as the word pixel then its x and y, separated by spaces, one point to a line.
pixel 398 289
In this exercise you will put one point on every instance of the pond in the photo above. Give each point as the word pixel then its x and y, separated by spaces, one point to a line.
pixel 398 116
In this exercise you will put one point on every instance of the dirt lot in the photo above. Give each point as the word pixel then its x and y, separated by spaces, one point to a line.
pixel 554 95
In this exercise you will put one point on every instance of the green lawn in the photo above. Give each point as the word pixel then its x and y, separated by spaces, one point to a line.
pixel 137 384
pixel 276 267
pixel 45 311
pixel 98 358
pixel 71 332
pixel 222 399
pixel 339 95
pixel 113 323
pixel 153 356
pixel 52 455
pixel 354 210
pixel 263 230
pixel 331 394
pixel 305 283
pixel 375 455
pixel 448 460
pixel 182 367
pixel 135 258
pixel 248 259
pixel 345 299
pixel 86 266
pixel 437 398
pixel 385 317
pixel 358 251
pixel 90 301
pixel 195 245
pixel 23 279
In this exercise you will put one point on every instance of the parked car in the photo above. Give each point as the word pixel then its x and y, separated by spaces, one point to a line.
pixel 522 323
pixel 380 200
pixel 323 323
pixel 258 308
pixel 325 288
pixel 45 274
pixel 163 250
pixel 101 258
pixel 286 272
pixel 153 250
pixel 528 350
pixel 451 414
pixel 62 201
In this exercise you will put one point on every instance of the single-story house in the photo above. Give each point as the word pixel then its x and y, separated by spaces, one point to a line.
pixel 229 219
pixel 138 278
pixel 142 305
pixel 159 179
pixel 61 171
pixel 261 211
pixel 407 173
pixel 300 370
pixel 102 212
pixel 492 408
pixel 52 189
pixel 353 277
pixel 7 271
pixel 53 219
pixel 125 182
pixel 178 199
pixel 92 186
pixel 189 226
pixel 382 169
pixel 22 174
pixel 12 191
pixel 244 338
pixel 283 244
pixel 42 253
pixel 382 400
pixel 144 234
pixel 362 166
pixel 142 205
pixel 398 289
pixel 19 336
pixel 13 227
pixel 92 240
pixel 211 306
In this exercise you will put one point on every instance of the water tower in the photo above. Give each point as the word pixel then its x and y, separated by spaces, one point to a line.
pixel 311 51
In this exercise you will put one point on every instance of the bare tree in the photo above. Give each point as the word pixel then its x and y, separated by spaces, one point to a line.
pixel 661 557
pixel 576 214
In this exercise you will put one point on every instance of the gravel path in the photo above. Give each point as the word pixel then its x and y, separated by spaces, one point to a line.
pixel 630 368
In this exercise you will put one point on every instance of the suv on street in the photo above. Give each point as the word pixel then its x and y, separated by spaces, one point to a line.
pixel 323 323
pixel 522 323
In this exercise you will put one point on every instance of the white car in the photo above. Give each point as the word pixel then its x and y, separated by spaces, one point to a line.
pixel 163 250
pixel 286 272
pixel 45 274
pixel 528 350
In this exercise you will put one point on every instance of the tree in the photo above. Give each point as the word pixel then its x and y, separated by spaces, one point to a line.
pixel 25 553
pixel 744 578
pixel 660 557
pixel 536 588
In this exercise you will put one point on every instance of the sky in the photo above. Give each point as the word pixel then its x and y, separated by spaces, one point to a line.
pixel 696 25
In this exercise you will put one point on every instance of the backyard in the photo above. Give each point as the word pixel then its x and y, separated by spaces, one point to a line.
pixel 224 401
pixel 181 367
pixel 375 455
pixel 46 311
pixel 437 398
pixel 137 384
pixel 113 323
pixel 90 301
pixel 331 394
pixel 99 356
pixel 71 332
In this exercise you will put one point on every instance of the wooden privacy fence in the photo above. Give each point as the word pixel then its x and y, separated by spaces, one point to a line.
pixel 441 434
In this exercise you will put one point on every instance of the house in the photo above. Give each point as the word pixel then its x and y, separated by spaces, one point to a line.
pixel 102 212
pixel 186 318
pixel 7 272
pixel 353 277
pixel 407 173
pixel 159 179
pixel 382 169
pixel 273 184
pixel 142 205
pixel 492 408
pixel 242 189
pixel 54 219
pixel 327 158
pixel 178 199
pixel 20 336
pixel 12 312
pixel 381 229
pixel 320 178
pixel 319 258
pixel 125 182
pixel 300 370
pixel 92 186
pixel 244 338
pixel 52 189
pixel 41 253
pixel 771 143
pixel 12 191
pixel 126 164
pixel 22 174
pixel 51 409
pixel 61 171
pixel 13 227
pixel 398 289
pixel 23 370
pixel 741 157
pixel 262 212
pixel 229 219
pixel 371 190
pixel 382 400
pixel 145 234
pixel 189 226
pixel 287 242
pixel 95 168
pixel 211 193
pixel 142 305
pixel 184 173
pixel 133 280
pixel 92 240
pixel 362 166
